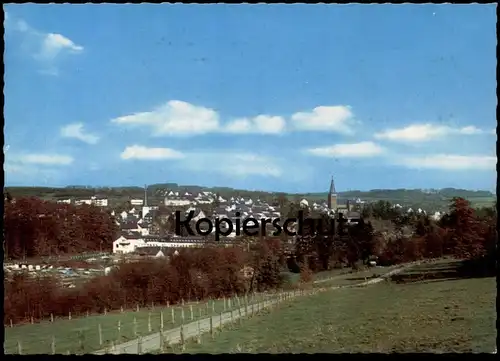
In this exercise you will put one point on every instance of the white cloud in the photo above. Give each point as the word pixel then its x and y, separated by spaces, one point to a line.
pixel 425 132
pixel 337 118
pixel 44 47
pixel 174 118
pixel 53 44
pixel 181 118
pixel 145 153
pixel 354 150
pixel 264 124
pixel 76 131
pixel 42 159
pixel 449 162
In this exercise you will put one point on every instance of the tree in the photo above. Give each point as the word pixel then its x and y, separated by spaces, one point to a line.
pixel 466 231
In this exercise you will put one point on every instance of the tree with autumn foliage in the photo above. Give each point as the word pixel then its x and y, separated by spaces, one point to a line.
pixel 33 228
pixel 466 237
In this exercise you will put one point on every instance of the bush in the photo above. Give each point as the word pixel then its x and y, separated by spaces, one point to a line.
pixel 306 275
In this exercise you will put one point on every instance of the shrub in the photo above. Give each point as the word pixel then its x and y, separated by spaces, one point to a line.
pixel 306 275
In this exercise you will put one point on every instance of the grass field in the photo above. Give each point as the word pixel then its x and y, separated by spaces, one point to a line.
pixel 416 315
pixel 345 279
pixel 81 335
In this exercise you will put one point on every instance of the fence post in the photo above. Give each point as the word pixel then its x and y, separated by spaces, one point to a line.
pixel 229 302
pixel 34 322
pixel 51 319
pixel 224 301
pixel 182 337
pixel 200 312
pixel 182 315
pixel 239 315
pixel 11 325
pixel 69 316
pixel 139 345
pixel 105 312
pixel 232 319
pixel 99 329
pixel 119 330
pixel 199 332
pixel 53 345
pixel 220 321
pixel 208 309
pixel 149 322
pixel 81 340
pixel 19 348
pixel 213 306
pixel 135 327
pixel 137 308
pixel 165 343
pixel 173 316
pixel 211 327
pixel 191 310
pixel 121 309
pixel 162 346
pixel 161 321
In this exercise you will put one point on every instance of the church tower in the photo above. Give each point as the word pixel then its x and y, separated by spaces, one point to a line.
pixel 332 196
pixel 145 207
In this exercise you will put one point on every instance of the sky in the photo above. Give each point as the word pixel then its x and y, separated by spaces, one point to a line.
pixel 258 97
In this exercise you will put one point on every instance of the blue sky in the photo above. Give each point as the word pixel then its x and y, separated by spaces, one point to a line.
pixel 271 97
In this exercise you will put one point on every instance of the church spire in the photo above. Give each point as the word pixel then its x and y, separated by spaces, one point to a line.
pixel 145 195
pixel 332 187
pixel 332 196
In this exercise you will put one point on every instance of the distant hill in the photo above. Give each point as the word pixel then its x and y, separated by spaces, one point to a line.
pixel 428 199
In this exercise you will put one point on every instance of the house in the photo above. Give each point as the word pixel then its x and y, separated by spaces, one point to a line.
pixel 128 242
pixel 353 217
pixel 79 202
pixel 154 252
pixel 129 226
pixel 137 202
pixel 198 213
pixel 144 228
pixel 99 201
pixel 177 201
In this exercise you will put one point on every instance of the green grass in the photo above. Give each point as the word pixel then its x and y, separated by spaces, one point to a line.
pixel 345 279
pixel 440 316
pixel 331 273
pixel 37 338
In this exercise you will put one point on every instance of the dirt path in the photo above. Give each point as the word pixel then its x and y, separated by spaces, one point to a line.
pixel 153 342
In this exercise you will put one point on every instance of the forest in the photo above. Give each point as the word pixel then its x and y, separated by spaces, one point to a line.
pixel 34 228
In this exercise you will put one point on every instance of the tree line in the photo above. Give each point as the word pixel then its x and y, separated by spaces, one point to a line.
pixel 463 232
